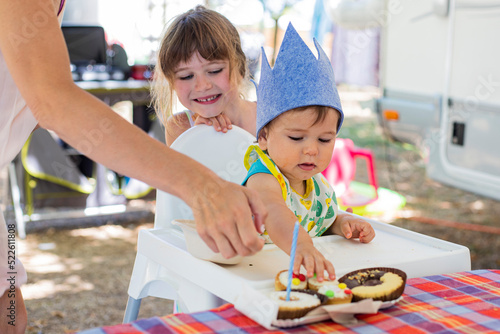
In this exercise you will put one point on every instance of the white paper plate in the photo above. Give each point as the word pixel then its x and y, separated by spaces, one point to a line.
pixel 287 323
pixel 309 319
pixel 390 303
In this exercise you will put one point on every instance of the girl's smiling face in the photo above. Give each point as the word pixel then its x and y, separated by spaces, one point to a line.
pixel 299 147
pixel 203 86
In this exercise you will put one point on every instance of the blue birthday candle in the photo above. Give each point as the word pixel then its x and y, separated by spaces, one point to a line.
pixel 292 259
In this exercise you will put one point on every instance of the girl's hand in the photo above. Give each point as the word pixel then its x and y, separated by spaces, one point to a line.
pixel 313 261
pixel 355 227
pixel 220 122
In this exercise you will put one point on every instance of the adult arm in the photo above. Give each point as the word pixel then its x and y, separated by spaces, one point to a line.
pixel 13 312
pixel 36 54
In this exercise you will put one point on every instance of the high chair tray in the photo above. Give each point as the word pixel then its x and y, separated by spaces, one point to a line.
pixel 416 254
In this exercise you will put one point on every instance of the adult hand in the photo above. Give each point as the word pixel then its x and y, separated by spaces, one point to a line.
pixel 222 211
pixel 220 122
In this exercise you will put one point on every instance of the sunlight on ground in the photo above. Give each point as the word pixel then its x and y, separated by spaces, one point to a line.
pixel 477 205
pixel 409 213
pixel 43 263
pixel 47 288
pixel 40 258
pixel 106 232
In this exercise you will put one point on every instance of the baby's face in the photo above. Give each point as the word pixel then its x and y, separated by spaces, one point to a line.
pixel 299 148
pixel 203 86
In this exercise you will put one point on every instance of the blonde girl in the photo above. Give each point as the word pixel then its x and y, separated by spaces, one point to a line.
pixel 201 63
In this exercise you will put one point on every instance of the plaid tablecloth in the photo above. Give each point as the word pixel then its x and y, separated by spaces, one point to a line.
pixel 465 302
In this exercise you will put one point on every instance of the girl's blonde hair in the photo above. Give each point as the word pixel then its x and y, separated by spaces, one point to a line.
pixel 199 29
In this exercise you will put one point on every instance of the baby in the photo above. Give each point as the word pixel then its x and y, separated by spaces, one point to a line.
pixel 298 118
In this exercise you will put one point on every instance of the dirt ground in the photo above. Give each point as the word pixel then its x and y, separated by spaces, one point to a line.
pixel 78 279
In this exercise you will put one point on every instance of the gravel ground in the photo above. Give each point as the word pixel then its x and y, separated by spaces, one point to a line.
pixel 78 279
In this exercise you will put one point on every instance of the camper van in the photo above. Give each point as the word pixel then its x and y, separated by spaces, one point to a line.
pixel 440 74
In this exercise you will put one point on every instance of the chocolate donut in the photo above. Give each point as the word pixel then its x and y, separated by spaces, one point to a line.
pixel 376 283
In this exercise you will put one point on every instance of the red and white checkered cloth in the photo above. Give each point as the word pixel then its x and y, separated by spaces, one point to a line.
pixel 465 302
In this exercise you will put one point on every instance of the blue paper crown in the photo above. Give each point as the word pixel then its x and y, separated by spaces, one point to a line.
pixel 298 79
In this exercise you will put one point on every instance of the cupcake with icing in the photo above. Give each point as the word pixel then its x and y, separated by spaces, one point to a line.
pixel 300 303
pixel 299 282
pixel 337 293
pixel 314 284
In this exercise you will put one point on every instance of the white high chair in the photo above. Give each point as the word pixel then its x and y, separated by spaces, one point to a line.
pixel 221 152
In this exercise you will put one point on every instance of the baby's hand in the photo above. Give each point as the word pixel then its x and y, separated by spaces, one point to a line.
pixel 355 227
pixel 314 262
pixel 220 122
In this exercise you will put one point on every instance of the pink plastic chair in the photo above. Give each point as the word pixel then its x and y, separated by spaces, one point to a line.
pixel 342 170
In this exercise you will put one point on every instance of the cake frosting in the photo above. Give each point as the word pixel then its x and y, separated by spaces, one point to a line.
pixel 376 284
pixel 299 282
pixel 389 282
pixel 300 303
pixel 314 284
pixel 336 293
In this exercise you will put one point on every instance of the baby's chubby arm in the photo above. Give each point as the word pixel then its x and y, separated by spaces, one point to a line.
pixel 350 226
pixel 280 224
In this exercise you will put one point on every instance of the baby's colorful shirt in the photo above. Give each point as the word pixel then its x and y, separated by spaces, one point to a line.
pixel 316 210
